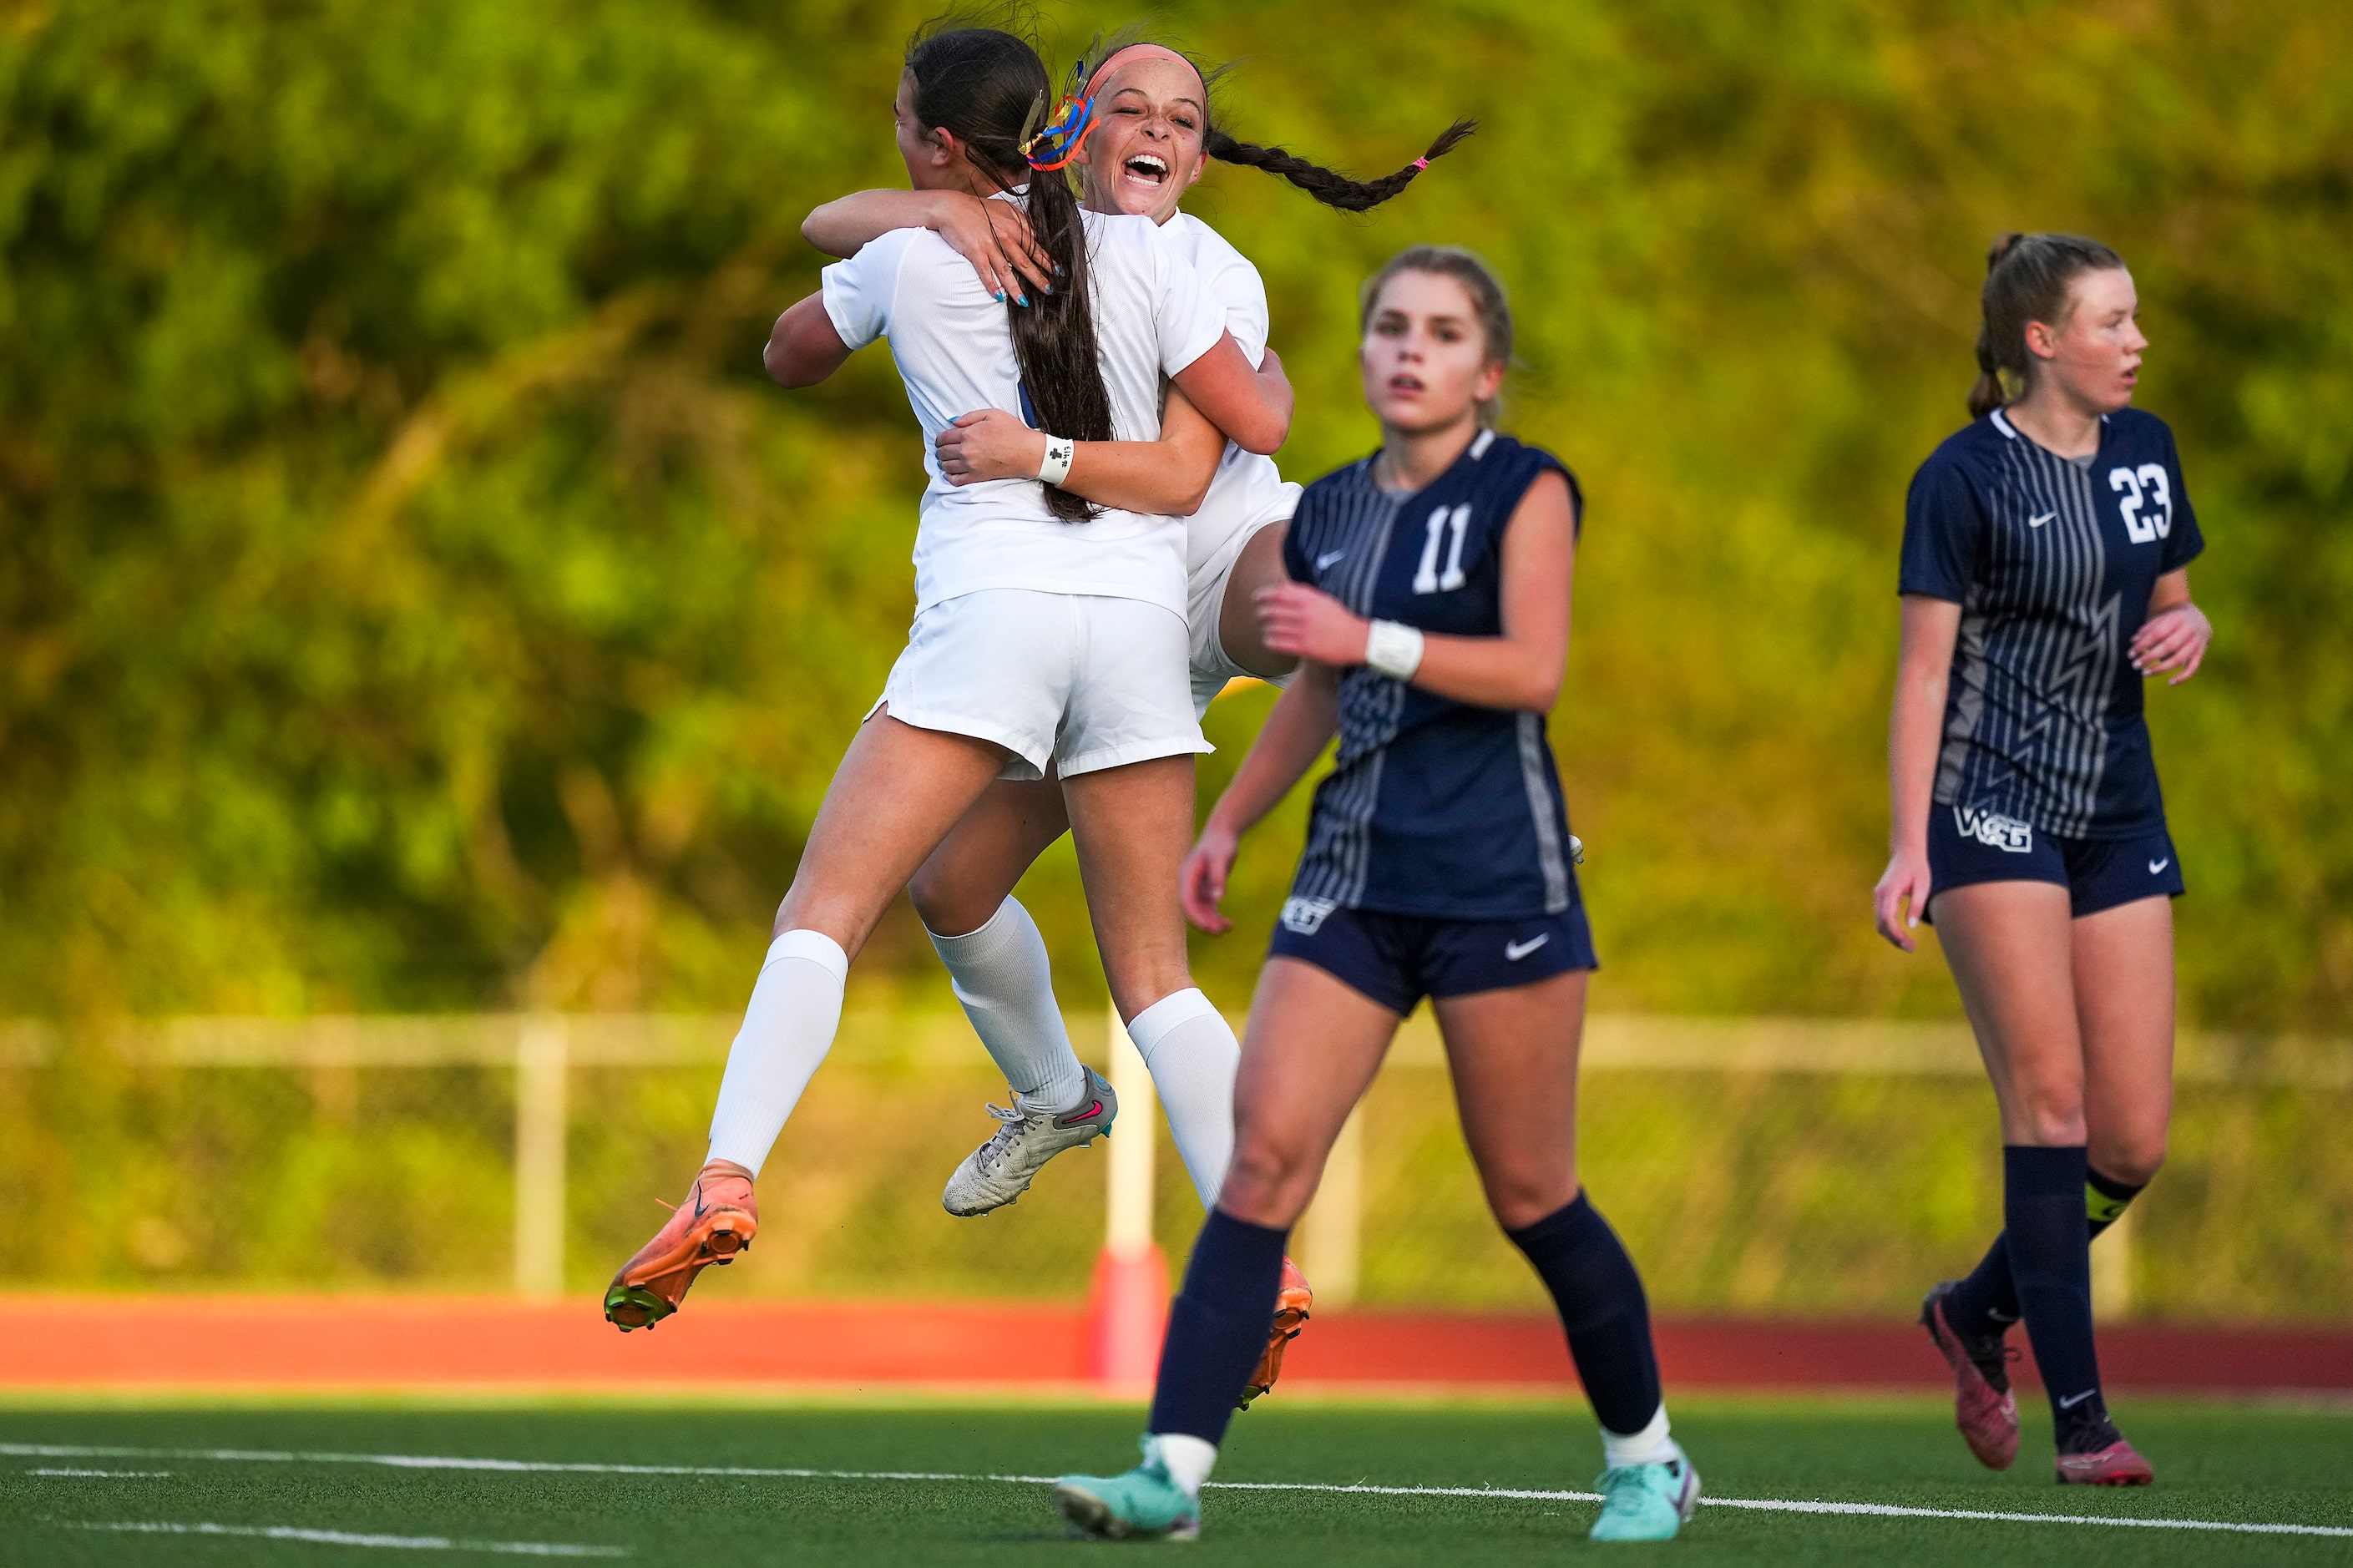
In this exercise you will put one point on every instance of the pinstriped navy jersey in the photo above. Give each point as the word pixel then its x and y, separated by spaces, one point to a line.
pixel 1434 806
pixel 2052 563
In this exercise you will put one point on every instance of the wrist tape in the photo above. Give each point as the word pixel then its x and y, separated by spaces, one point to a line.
pixel 1394 650
pixel 1055 467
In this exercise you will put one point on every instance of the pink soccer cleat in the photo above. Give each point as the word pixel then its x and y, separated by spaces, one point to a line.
pixel 1982 1406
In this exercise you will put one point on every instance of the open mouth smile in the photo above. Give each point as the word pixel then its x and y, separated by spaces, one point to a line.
pixel 1146 168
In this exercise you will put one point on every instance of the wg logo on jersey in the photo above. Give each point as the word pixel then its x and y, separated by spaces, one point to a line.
pixel 1306 916
pixel 1995 830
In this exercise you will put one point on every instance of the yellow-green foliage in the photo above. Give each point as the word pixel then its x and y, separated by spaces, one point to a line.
pixel 411 595
pixel 1791 1193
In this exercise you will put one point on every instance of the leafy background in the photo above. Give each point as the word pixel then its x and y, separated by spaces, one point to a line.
pixel 414 598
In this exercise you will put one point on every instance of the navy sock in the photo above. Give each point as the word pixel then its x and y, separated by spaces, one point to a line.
pixel 1600 1295
pixel 2050 1248
pixel 1217 1326
pixel 1987 1301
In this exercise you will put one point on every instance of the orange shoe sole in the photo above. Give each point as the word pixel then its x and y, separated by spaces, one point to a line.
pixel 650 1286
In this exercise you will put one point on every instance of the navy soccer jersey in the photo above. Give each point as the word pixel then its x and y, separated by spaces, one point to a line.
pixel 2052 563
pixel 1434 807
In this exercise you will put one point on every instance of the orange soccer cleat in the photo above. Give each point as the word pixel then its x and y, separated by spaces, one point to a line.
pixel 1291 1308
pixel 718 1220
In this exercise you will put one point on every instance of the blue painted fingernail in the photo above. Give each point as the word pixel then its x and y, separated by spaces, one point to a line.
pixel 1021 299
pixel 1000 296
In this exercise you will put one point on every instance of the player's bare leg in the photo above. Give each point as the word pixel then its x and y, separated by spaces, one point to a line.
pixel 1240 633
pixel 897 792
pixel 2011 947
pixel 997 959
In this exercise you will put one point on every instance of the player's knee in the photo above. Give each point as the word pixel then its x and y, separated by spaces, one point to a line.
pixel 1267 1182
pixel 945 906
pixel 2134 1161
pixel 1518 1198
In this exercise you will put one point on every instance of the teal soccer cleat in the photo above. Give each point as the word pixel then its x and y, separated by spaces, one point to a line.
pixel 1144 1502
pixel 1646 1502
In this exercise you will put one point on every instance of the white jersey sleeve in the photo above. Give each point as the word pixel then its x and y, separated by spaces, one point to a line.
pixel 859 291
pixel 1228 276
pixel 1189 318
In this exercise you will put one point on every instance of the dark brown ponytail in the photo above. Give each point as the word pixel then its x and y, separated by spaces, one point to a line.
pixel 1334 190
pixel 2029 278
pixel 1326 185
pixel 991 90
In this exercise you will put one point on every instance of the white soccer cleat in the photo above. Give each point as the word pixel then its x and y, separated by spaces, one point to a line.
pixel 1001 1170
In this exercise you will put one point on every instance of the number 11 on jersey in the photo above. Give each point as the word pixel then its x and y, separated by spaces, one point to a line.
pixel 1428 580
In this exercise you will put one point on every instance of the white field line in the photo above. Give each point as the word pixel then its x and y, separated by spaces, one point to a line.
pixel 119 1474
pixel 349 1538
pixel 1762 1505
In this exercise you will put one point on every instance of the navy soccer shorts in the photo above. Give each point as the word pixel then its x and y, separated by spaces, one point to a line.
pixel 1969 846
pixel 1396 960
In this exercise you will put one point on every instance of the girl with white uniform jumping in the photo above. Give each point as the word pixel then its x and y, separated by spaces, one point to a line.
pixel 1048 632
pixel 1151 133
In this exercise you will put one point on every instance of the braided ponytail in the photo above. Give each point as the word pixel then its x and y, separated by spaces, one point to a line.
pixel 2029 278
pixel 1330 188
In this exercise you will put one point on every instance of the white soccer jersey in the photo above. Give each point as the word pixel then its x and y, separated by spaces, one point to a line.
pixel 954 351
pixel 1248 489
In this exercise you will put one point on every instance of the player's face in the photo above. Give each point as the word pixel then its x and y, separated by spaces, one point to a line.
pixel 1146 152
pixel 1424 357
pixel 2096 357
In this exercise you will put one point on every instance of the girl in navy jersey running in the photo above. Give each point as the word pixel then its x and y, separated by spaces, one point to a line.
pixel 1154 133
pixel 2044 576
pixel 1430 602
pixel 1048 631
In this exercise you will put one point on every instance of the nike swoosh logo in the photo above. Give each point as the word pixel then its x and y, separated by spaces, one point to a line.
pixel 1516 951
pixel 2157 866
pixel 1328 557
pixel 1093 1109
pixel 2078 1399
pixel 2038 522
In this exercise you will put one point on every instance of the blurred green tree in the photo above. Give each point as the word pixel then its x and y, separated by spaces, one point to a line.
pixel 412 597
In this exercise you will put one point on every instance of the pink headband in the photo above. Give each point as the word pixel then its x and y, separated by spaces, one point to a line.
pixel 1139 51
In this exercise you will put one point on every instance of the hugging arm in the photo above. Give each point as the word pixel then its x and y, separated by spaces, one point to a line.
pixel 804 348
pixel 993 235
pixel 1169 477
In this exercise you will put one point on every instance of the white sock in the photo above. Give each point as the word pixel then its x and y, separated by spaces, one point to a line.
pixel 1002 978
pixel 1192 1053
pixel 789 1026
pixel 1650 1446
pixel 1188 1460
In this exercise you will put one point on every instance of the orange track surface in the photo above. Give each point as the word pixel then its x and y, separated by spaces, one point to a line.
pixel 488 1342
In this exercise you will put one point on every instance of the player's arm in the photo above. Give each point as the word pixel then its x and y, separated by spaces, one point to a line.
pixel 1294 735
pixel 2176 633
pixel 1170 476
pixel 1251 404
pixel 1520 669
pixel 1915 730
pixel 804 348
pixel 993 235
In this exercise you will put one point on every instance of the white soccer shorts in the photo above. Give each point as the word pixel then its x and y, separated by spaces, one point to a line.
pixel 1205 596
pixel 1084 681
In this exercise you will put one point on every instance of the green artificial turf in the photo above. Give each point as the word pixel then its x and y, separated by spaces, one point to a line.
pixel 2215 1461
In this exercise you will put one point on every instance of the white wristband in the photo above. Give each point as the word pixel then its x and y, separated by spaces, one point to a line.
pixel 1393 648
pixel 1055 467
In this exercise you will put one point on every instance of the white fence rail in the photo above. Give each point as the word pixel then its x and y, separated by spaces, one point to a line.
pixel 543 1048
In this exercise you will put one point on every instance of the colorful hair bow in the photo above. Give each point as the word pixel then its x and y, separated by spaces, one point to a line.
pixel 1064 136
